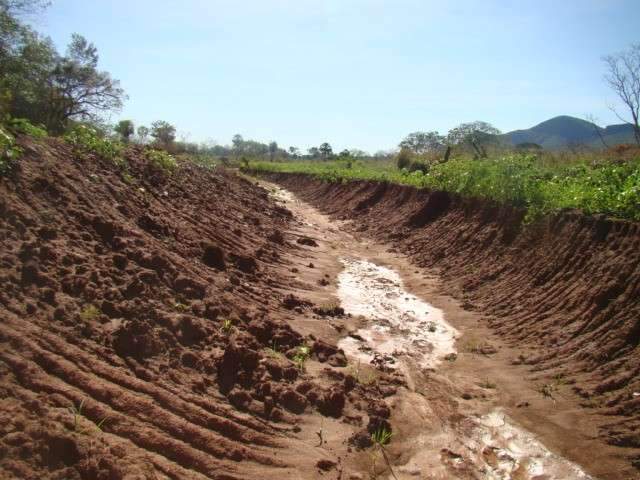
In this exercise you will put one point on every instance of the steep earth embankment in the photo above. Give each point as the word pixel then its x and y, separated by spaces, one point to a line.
pixel 564 290
pixel 135 310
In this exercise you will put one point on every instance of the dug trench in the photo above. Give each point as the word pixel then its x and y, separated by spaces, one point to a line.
pixel 190 325
pixel 547 316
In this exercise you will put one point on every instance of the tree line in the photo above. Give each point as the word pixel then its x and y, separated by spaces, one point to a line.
pixel 59 90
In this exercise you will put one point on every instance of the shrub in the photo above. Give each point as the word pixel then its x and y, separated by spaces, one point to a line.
pixel 87 140
pixel 403 159
pixel 22 125
pixel 162 160
pixel 9 153
pixel 418 166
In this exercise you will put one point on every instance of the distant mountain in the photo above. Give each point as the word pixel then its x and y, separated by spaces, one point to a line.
pixel 564 131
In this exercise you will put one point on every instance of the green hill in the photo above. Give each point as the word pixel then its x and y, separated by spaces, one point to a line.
pixel 564 131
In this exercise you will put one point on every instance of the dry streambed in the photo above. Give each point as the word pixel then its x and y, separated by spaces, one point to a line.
pixel 401 331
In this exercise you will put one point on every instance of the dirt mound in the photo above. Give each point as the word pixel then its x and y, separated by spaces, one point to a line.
pixel 566 289
pixel 136 310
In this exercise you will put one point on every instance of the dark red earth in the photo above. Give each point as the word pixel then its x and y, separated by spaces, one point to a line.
pixel 135 312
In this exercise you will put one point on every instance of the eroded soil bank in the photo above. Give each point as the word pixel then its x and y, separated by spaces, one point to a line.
pixel 560 295
pixel 186 326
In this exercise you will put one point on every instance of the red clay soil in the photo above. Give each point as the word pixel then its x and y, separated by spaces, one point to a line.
pixel 135 310
pixel 565 289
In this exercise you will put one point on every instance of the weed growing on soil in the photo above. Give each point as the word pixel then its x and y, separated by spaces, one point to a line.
pixel 488 384
pixel 272 351
pixel 162 160
pixel 227 326
pixel 380 438
pixel 9 153
pixel 89 312
pixel 24 126
pixel 78 416
pixel 548 390
pixel 302 355
pixel 360 377
pixel 128 178
pixel 87 140
pixel 181 307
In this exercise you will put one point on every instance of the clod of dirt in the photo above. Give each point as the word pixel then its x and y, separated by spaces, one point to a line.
pixel 276 237
pixel 326 465
pixel 292 400
pixel 244 263
pixel 189 287
pixel 136 338
pixel 332 402
pixel 291 301
pixel 325 352
pixel 329 311
pixel 213 256
pixel 361 439
pixel 307 241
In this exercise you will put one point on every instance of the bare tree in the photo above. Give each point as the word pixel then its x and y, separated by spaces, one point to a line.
pixel 623 76
pixel 593 121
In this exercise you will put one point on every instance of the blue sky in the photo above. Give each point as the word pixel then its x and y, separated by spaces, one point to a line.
pixel 355 73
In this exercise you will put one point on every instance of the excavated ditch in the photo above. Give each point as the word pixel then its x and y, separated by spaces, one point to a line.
pixel 561 293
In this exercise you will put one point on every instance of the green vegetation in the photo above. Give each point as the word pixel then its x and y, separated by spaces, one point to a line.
pixel 302 355
pixel 162 160
pixel 89 312
pixel 380 438
pixel 41 84
pixel 24 126
pixel 9 152
pixel 226 326
pixel 522 180
pixel 78 417
pixel 87 140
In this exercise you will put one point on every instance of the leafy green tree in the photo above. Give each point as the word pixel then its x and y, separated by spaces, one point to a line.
pixel 422 142
pixel 273 149
pixel 325 151
pixel 163 132
pixel 314 152
pixel 476 135
pixel 39 84
pixel 79 89
pixel 125 129
pixel 238 142
pixel 143 133
pixel 294 152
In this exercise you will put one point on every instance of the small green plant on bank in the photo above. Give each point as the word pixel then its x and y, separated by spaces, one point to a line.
pixel 87 140
pixel 548 390
pixel 272 351
pixel 227 326
pixel 380 438
pixel 78 417
pixel 488 384
pixel 9 153
pixel 360 376
pixel 162 160
pixel 181 307
pixel 127 178
pixel 89 312
pixel 24 126
pixel 302 355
